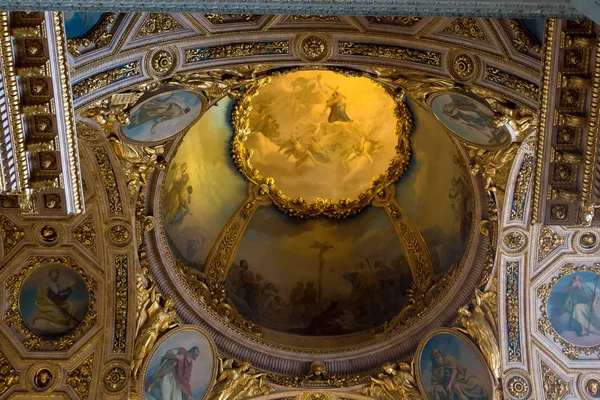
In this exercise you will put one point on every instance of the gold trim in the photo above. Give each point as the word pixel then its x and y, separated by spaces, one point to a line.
pixel 541 130
pixel 98 35
pixel 299 207
pixel 592 134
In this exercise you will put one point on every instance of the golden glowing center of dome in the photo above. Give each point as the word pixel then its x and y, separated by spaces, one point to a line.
pixel 320 142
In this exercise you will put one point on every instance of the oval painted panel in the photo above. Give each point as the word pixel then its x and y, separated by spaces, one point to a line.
pixel 182 366
pixel 79 23
pixel 53 300
pixel 574 310
pixel 445 354
pixel 163 116
pixel 469 119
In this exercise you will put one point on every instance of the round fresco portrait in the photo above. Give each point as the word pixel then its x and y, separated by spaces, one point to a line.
pixel 469 118
pixel 182 366
pixel 78 24
pixel 53 300
pixel 446 354
pixel 574 310
pixel 163 116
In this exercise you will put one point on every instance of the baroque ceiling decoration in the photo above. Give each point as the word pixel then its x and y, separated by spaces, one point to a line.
pixel 297 206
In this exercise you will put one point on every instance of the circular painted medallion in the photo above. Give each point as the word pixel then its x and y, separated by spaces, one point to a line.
pixel 470 119
pixel 163 116
pixel 574 310
pixel 182 366
pixel 53 300
pixel 321 142
pixel 445 354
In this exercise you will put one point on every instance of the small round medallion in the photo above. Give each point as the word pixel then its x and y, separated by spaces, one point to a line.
pixel 161 62
pixel 313 48
pixel 518 387
pixel 115 379
pixel 588 240
pixel 43 379
pixel 48 234
pixel 463 66
pixel 592 387
pixel 119 235
pixel 514 241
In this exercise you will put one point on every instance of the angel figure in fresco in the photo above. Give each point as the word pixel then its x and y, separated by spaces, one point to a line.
pixel 159 110
pixel 308 92
pixel 54 311
pixel 179 195
pixel 337 107
pixel 450 380
pixel 293 147
pixel 171 380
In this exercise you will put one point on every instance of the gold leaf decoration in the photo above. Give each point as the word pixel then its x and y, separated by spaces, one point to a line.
pixel 86 234
pixel 467 28
pixel 81 378
pixel 11 234
pixel 159 23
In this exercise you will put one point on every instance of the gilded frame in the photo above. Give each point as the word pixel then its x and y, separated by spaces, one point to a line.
pixel 298 207
pixel 141 380
pixel 13 315
pixel 571 350
pixel 171 137
pixel 459 335
pixel 480 100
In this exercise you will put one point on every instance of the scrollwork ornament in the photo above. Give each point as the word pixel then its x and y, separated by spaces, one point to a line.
pixel 9 376
pixel 514 241
pixel 119 234
pixel 99 35
pixel 80 379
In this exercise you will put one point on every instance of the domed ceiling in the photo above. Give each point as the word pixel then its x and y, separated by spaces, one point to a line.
pixel 365 200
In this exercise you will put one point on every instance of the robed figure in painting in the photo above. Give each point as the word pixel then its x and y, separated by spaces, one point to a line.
pixel 171 380
pixel 464 110
pixel 159 110
pixel 451 381
pixel 582 304
pixel 337 108
pixel 54 311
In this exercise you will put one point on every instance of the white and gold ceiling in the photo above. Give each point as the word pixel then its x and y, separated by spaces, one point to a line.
pixel 209 206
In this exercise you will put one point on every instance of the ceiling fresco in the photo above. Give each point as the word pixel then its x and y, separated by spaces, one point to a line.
pixel 311 207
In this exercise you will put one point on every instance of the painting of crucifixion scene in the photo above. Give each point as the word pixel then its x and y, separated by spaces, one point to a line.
pixel 319 277
pixel 574 308
pixel 322 134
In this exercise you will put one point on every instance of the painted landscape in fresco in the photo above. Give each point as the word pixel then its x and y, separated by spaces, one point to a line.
pixel 320 133
pixel 319 277
pixel 574 309
pixel 182 367
pixel 435 192
pixel 203 188
pixel 163 116
pixel 469 119
pixel 449 368
pixel 53 300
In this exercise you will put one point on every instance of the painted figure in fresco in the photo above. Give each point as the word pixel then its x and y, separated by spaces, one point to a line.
pixel 179 196
pixel 54 311
pixel 582 304
pixel 465 111
pixel 337 107
pixel 159 110
pixel 328 322
pixel 171 380
pixel 451 381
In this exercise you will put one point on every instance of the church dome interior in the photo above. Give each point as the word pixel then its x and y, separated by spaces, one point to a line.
pixel 313 202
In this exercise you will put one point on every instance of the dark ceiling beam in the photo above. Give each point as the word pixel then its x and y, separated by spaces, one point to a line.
pixel 449 8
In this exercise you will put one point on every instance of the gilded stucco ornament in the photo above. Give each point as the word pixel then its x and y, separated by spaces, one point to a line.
pixel 116 376
pixel 518 386
pixel 9 377
pixel 156 315
pixel 548 241
pixel 479 321
pixel 394 382
pixel 493 165
pixel 463 66
pixel 157 23
pixel 80 379
pixel 514 241
pixel 238 380
pixel 555 387
pixel 100 35
pixel 523 40
pixel 11 234
pixel 321 206
pixel 313 47
pixel 161 62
